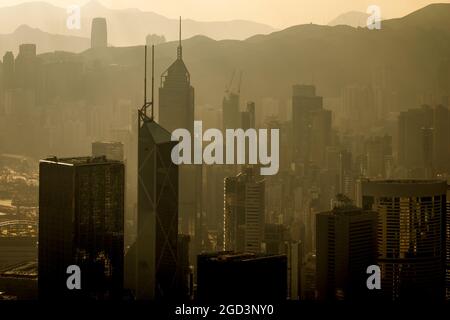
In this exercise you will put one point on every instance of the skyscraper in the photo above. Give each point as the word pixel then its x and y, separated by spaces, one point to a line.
pixel 176 111
pixel 25 68
pixel 410 236
pixel 311 125
pixel 244 212
pixel 157 213
pixel 248 117
pixel 8 70
pixel 230 111
pixel 412 138
pixel 176 95
pixel 346 246
pixel 81 205
pixel 99 33
pixel 378 151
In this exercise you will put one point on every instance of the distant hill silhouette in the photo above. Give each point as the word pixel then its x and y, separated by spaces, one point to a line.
pixel 411 48
pixel 125 27
pixel 45 41
pixel 353 19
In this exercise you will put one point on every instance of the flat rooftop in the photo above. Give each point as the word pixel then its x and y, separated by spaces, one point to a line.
pixel 79 161
pixel 234 256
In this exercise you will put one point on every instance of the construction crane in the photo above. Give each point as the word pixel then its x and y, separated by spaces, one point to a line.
pixel 228 87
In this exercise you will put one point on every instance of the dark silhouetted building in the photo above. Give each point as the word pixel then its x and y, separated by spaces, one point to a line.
pixel 26 67
pixel 410 237
pixel 423 141
pixel 378 153
pixel 185 280
pixel 228 276
pixel 345 247
pixel 311 125
pixel 248 117
pixel 81 221
pixel 157 213
pixel 8 70
pixel 230 111
pixel 99 33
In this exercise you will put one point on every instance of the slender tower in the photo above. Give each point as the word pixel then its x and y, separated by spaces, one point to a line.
pixel 176 111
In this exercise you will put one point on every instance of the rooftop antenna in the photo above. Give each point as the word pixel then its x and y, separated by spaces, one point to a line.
pixel 147 104
pixel 180 49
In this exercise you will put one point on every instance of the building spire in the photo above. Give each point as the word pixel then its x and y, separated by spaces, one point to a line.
pixel 180 48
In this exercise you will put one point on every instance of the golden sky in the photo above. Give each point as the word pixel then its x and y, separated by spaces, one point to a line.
pixel 278 13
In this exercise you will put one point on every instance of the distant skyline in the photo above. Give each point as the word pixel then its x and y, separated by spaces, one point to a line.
pixel 277 13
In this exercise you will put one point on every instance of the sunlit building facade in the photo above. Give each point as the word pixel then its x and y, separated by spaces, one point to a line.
pixel 410 237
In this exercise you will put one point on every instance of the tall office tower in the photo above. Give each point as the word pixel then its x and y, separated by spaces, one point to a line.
pixel 345 174
pixel 311 125
pixel 99 33
pixel 81 204
pixel 176 111
pixel 441 143
pixel 248 117
pixel 410 236
pixel 411 136
pixel 26 67
pixel 228 276
pixel 423 144
pixel 230 111
pixel 176 95
pixel 295 263
pixel 213 204
pixel 185 283
pixel 157 213
pixel 378 151
pixel 8 71
pixel 443 82
pixel 346 246
pixel 244 214
pixel 428 151
pixel 111 150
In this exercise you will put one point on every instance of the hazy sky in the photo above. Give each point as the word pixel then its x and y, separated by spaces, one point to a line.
pixel 278 13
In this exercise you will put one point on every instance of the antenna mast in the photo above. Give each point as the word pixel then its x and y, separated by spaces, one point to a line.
pixel 180 48
pixel 153 78
pixel 147 104
pixel 145 76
